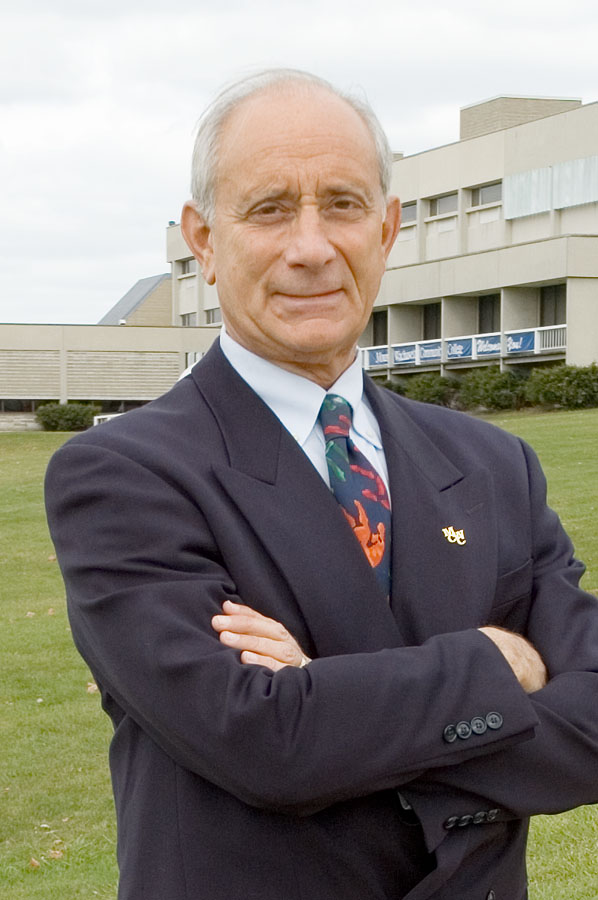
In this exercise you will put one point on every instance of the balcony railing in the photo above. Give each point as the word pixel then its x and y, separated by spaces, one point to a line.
pixel 474 347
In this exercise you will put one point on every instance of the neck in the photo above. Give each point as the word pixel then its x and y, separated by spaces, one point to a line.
pixel 324 375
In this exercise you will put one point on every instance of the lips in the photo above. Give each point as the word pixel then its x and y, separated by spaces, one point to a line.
pixel 320 294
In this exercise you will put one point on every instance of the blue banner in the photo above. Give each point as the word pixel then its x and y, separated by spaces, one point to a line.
pixel 430 352
pixel 459 348
pixel 488 346
pixel 404 355
pixel 521 342
pixel 377 357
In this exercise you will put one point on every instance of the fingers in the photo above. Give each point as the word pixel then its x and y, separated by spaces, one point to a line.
pixel 254 659
pixel 287 653
pixel 256 624
pixel 261 640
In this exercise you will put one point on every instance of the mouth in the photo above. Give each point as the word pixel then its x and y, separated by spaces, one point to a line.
pixel 318 296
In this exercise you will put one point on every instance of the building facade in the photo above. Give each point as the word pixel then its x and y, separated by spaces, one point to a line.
pixel 497 258
pixel 117 367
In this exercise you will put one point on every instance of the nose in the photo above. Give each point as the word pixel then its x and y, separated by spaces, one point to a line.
pixel 308 244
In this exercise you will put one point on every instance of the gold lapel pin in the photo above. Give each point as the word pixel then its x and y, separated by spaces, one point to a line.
pixel 453 536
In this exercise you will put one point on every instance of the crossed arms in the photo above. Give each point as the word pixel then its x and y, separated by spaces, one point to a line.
pixel 262 641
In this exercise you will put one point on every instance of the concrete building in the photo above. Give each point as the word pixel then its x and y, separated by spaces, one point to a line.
pixel 118 367
pixel 497 259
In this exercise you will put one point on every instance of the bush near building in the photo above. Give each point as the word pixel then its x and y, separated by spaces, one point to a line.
pixel 67 416
pixel 433 388
pixel 569 387
pixel 491 389
pixel 560 386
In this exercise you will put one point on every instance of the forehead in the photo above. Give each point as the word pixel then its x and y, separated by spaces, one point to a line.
pixel 296 131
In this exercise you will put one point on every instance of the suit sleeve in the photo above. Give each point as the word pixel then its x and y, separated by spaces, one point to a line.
pixel 558 768
pixel 144 576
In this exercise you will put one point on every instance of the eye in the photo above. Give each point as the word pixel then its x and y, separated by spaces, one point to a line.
pixel 345 205
pixel 269 211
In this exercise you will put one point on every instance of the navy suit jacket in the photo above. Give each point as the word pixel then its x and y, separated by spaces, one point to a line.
pixel 234 782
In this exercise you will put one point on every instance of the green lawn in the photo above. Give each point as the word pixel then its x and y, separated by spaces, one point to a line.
pixel 56 812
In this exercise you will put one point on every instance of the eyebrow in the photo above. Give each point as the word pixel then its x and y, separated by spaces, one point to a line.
pixel 253 198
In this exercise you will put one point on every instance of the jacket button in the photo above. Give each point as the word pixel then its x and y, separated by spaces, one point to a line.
pixel 494 720
pixel 478 725
pixel 451 822
pixel 464 821
pixel 492 814
pixel 463 730
pixel 480 818
pixel 450 734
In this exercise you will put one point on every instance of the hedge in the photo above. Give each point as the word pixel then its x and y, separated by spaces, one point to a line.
pixel 67 417
pixel 561 386
pixel 432 388
pixel 492 389
pixel 570 387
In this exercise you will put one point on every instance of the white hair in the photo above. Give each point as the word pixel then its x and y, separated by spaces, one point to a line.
pixel 213 120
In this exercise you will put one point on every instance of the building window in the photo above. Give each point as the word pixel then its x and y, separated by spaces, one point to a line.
pixel 441 205
pixel 553 305
pixel 431 321
pixel 191 357
pixel 189 266
pixel 489 314
pixel 189 319
pixel 408 212
pixel 487 193
pixel 380 327
pixel 213 316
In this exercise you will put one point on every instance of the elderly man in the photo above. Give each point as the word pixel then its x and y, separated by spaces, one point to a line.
pixel 276 507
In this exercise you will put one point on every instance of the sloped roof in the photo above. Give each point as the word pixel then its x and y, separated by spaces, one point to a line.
pixel 132 299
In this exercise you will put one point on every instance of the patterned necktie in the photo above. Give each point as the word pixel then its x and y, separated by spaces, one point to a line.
pixel 358 488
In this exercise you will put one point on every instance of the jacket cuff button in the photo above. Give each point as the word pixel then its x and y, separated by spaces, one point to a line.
pixel 494 720
pixel 478 725
pixel 450 734
pixel 463 730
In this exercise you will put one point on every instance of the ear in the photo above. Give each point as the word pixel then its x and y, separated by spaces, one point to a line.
pixel 391 224
pixel 198 237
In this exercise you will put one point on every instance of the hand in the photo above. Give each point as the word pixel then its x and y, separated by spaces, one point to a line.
pixel 262 641
pixel 525 661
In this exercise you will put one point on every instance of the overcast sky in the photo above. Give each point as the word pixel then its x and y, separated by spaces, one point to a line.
pixel 99 101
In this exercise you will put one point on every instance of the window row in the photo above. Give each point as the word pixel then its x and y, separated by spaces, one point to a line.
pixel 448 203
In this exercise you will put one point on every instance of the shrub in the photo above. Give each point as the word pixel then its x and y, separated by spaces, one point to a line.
pixel 66 417
pixel 492 389
pixel 570 387
pixel 432 388
pixel 398 386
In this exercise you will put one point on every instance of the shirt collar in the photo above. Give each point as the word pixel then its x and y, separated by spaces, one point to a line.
pixel 296 400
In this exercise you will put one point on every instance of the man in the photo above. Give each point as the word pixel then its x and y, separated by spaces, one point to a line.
pixel 442 669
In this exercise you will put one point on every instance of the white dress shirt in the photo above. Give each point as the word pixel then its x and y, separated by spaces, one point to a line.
pixel 296 402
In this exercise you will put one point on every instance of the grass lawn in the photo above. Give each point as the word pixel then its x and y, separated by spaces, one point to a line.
pixel 56 813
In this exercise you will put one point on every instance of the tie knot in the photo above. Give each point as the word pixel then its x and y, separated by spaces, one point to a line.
pixel 335 417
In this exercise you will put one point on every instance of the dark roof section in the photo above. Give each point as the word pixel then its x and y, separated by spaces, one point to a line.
pixel 132 299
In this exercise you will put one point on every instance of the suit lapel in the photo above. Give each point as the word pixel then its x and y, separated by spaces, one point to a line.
pixel 296 518
pixel 439 583
pixel 442 581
